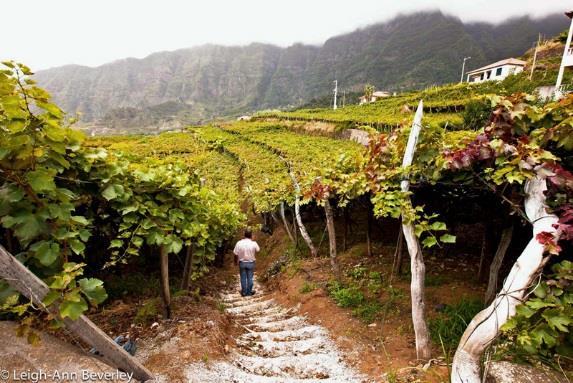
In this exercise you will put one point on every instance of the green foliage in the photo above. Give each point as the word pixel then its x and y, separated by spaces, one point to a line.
pixel 132 283
pixel 368 92
pixel 542 325
pixel 476 114
pixel 39 206
pixel 147 313
pixel 372 280
pixel 357 272
pixel 53 189
pixel 434 280
pixel 448 326
pixel 368 311
pixel 385 174
pixel 345 296
pixel 307 287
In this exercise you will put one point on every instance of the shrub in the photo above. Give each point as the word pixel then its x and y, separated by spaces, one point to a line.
pixel 345 296
pixel 146 313
pixel 307 287
pixel 448 327
pixel 358 272
pixel 476 114
pixel 541 328
pixel 368 311
pixel 374 282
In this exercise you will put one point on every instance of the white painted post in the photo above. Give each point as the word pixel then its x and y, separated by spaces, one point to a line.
pixel 557 92
pixel 464 69
pixel 334 106
pixel 417 267
pixel 484 327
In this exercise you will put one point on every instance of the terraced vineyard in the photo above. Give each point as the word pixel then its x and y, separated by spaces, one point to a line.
pixel 443 106
pixel 219 171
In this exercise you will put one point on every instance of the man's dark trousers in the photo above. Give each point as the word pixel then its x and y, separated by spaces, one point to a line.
pixel 247 270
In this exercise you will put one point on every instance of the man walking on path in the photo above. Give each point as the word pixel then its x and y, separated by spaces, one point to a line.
pixel 245 251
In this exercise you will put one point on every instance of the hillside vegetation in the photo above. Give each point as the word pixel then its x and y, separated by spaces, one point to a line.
pixel 455 106
pixel 192 85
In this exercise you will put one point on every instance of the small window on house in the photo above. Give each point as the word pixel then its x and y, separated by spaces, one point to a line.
pixel 481 76
pixel 498 71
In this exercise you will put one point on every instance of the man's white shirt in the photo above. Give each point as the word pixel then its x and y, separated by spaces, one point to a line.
pixel 246 249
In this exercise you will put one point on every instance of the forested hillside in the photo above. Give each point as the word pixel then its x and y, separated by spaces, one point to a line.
pixel 192 85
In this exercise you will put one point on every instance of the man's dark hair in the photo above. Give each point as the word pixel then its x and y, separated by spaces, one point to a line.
pixel 248 233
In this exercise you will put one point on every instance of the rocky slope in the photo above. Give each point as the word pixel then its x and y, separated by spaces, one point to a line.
pixel 191 85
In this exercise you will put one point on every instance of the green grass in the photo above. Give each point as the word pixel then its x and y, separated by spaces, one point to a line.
pixel 345 296
pixel 433 280
pixel 447 328
pixel 364 308
pixel 368 311
pixel 307 287
pixel 147 313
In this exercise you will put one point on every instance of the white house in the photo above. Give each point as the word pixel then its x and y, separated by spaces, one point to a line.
pixel 496 71
pixel 566 61
pixel 375 96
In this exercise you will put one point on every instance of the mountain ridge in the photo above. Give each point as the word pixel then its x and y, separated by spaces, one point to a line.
pixel 209 80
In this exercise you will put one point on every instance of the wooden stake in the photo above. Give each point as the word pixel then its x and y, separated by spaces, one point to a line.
pixel 483 254
pixel 398 256
pixel 285 223
pixel 165 293
pixel 417 267
pixel 187 269
pixel 23 280
pixel 331 237
pixel 534 57
pixel 345 229
pixel 369 230
pixel 301 227
pixel 504 243
pixel 484 327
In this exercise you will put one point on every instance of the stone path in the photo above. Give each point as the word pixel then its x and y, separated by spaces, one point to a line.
pixel 277 346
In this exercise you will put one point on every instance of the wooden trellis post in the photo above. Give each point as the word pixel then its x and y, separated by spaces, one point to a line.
pixel 23 280
pixel 418 269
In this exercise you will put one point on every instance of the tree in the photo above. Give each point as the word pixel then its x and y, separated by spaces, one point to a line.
pixel 369 92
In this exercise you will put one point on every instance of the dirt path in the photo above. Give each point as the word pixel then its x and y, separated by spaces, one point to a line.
pixel 276 346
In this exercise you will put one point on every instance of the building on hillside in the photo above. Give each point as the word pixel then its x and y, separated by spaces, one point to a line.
pixel 566 61
pixel 375 96
pixel 545 92
pixel 496 71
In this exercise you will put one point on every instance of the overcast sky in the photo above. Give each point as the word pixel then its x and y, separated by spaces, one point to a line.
pixel 44 34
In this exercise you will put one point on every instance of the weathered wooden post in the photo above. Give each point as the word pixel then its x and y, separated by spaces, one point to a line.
pixel 331 237
pixel 23 280
pixel 285 223
pixel 418 269
pixel 301 226
pixel 484 327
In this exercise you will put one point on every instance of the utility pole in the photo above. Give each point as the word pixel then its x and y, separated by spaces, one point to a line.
pixel 464 68
pixel 534 57
pixel 565 60
pixel 343 98
pixel 335 93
